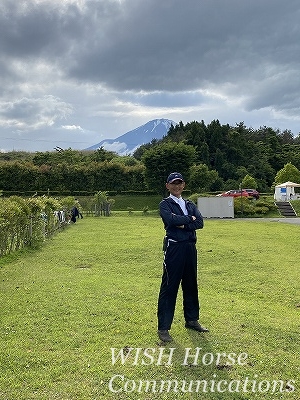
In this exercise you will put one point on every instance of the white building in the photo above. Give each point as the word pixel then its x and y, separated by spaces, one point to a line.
pixel 286 191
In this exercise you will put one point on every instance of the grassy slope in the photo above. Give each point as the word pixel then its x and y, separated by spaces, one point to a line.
pixel 95 286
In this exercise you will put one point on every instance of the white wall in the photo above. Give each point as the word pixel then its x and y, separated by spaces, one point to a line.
pixel 216 207
pixel 284 194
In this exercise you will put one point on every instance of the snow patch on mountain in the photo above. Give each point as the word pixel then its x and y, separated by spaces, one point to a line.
pixel 128 142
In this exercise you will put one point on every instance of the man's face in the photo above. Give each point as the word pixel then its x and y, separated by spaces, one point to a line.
pixel 176 187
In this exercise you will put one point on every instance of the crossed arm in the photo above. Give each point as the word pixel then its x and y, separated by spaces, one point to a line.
pixel 188 222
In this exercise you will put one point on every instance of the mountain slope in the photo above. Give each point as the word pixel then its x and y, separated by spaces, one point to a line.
pixel 130 141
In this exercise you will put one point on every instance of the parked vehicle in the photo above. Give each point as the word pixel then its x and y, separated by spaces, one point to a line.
pixel 253 193
pixel 234 193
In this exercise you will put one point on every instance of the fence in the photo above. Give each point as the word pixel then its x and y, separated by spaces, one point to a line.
pixel 28 222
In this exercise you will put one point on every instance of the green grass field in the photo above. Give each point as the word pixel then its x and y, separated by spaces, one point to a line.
pixel 94 287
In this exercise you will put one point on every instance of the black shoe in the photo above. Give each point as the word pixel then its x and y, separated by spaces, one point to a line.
pixel 196 326
pixel 164 335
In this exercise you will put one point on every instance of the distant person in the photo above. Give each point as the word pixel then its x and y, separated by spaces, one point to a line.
pixel 181 218
pixel 74 214
pixel 78 206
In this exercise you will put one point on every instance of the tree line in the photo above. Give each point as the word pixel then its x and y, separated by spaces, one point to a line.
pixel 220 156
pixel 212 157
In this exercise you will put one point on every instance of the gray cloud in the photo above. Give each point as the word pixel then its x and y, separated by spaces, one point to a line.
pixel 33 113
pixel 175 45
pixel 110 66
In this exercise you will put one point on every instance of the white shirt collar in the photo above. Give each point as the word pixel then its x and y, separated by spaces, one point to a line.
pixel 181 202
pixel 177 199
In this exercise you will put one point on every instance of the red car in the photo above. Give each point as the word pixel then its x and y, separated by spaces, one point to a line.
pixel 252 193
pixel 234 193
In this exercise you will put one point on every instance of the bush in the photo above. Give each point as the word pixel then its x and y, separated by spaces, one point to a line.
pixel 26 222
pixel 251 207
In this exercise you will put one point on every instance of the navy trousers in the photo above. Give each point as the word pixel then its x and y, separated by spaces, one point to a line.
pixel 179 266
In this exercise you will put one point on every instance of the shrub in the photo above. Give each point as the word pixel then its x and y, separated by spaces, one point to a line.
pixel 26 222
pixel 251 207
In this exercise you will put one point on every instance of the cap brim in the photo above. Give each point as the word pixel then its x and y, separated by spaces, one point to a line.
pixel 176 179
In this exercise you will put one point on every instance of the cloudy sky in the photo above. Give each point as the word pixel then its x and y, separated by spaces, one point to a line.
pixel 75 72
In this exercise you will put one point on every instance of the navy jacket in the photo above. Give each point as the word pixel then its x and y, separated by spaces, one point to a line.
pixel 173 216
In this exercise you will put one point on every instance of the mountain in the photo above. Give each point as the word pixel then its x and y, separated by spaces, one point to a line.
pixel 130 141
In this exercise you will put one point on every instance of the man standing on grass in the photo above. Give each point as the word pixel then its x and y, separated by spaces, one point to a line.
pixel 181 218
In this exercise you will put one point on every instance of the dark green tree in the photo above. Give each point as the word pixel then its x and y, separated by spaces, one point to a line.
pixel 201 178
pixel 249 182
pixel 288 173
pixel 165 158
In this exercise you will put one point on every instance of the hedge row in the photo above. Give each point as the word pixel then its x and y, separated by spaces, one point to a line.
pixel 29 193
pixel 27 222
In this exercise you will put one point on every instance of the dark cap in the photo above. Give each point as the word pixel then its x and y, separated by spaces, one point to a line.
pixel 174 176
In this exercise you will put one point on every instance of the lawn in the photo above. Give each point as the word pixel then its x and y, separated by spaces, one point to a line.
pixel 94 287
